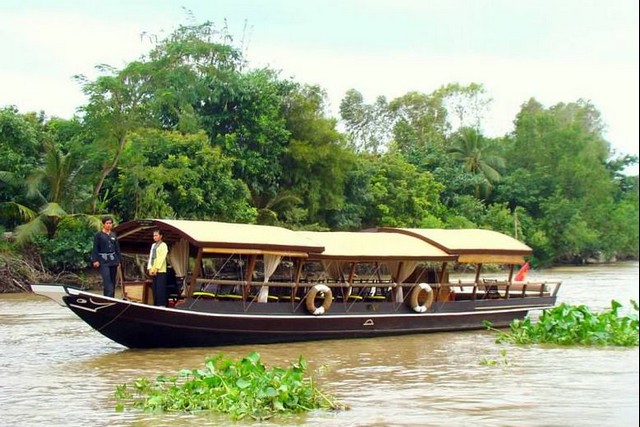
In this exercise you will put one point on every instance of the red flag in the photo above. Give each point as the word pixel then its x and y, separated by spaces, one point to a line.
pixel 522 273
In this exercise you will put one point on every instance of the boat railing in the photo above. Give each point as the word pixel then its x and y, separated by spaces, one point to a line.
pixel 452 290
pixel 341 288
pixel 201 282
pixel 506 289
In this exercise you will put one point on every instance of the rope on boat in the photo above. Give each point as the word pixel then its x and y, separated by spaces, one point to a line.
pixel 115 318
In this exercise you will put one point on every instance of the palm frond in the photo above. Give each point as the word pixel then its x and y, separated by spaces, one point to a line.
pixel 13 209
pixel 490 173
pixel 94 221
pixel 52 210
pixel 9 178
pixel 25 233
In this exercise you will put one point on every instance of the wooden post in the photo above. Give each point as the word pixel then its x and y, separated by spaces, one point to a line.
pixel 249 277
pixel 197 269
pixel 296 280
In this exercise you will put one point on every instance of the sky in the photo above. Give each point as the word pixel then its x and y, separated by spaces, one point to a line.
pixel 551 50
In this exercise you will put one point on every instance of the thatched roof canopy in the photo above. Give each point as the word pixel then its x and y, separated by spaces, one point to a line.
pixel 136 237
pixel 364 246
pixel 471 245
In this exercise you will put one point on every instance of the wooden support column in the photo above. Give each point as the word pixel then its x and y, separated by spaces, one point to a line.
pixel 249 276
pixel 296 279
pixel 197 269
pixel 477 280
pixel 441 283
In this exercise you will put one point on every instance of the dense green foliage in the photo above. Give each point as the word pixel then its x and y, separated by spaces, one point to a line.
pixel 70 249
pixel 240 388
pixel 188 132
pixel 577 325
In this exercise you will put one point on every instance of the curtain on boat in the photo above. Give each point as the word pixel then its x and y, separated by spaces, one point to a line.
pixel 400 270
pixel 179 257
pixel 270 262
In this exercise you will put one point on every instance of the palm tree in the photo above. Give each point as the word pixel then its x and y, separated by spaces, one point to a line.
pixel 271 208
pixel 471 148
pixel 56 193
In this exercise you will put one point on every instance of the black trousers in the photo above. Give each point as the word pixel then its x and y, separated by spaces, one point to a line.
pixel 108 274
pixel 159 288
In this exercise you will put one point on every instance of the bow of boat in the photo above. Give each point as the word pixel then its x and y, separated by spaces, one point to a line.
pixel 53 291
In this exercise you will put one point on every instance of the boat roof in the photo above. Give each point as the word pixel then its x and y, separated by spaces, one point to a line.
pixel 471 245
pixel 136 237
pixel 371 246
pixel 384 243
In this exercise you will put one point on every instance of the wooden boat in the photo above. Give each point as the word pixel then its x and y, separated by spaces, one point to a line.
pixel 253 284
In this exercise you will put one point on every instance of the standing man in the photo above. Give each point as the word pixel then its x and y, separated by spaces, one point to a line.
pixel 106 256
pixel 158 269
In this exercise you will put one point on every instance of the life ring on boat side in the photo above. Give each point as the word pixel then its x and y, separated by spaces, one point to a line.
pixel 415 300
pixel 326 303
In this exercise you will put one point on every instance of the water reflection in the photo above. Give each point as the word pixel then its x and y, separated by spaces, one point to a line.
pixel 57 371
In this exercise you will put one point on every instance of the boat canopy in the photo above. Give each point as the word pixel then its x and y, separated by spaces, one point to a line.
pixel 384 243
pixel 215 237
pixel 366 247
pixel 471 245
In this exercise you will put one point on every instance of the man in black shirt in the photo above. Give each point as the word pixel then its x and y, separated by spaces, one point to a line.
pixel 106 256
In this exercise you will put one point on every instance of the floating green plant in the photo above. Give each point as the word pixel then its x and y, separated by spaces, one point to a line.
pixel 576 325
pixel 502 361
pixel 240 388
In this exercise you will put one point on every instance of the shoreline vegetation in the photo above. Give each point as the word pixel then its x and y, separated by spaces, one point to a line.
pixel 19 270
pixel 189 131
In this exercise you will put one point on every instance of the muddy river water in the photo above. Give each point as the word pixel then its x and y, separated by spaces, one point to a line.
pixel 57 371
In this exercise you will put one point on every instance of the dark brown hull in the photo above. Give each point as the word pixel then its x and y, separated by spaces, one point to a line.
pixel 198 323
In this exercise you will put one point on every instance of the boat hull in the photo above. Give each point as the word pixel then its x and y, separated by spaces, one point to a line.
pixel 198 323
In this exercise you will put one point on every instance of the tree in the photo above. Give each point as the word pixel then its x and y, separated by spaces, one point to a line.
pixel 170 175
pixel 250 128
pixel 387 191
pixel 55 193
pixel 560 171
pixel 465 105
pixel 420 128
pixel 117 106
pixel 20 152
pixel 20 136
pixel 182 74
pixel 470 148
pixel 368 126
pixel 316 161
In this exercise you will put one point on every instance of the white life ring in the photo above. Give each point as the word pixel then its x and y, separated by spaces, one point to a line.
pixel 415 298
pixel 326 303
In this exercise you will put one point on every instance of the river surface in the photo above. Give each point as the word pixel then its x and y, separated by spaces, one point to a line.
pixel 57 371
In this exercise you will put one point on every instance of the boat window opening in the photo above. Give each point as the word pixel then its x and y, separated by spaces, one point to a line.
pixel 225 276
pixel 133 266
pixel 365 281
pixel 230 268
pixel 282 282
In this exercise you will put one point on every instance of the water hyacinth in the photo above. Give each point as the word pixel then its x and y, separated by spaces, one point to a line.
pixel 576 325
pixel 240 388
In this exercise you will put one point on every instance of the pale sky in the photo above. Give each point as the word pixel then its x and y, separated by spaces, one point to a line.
pixel 551 50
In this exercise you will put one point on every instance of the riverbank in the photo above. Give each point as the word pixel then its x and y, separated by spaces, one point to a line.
pixel 17 272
